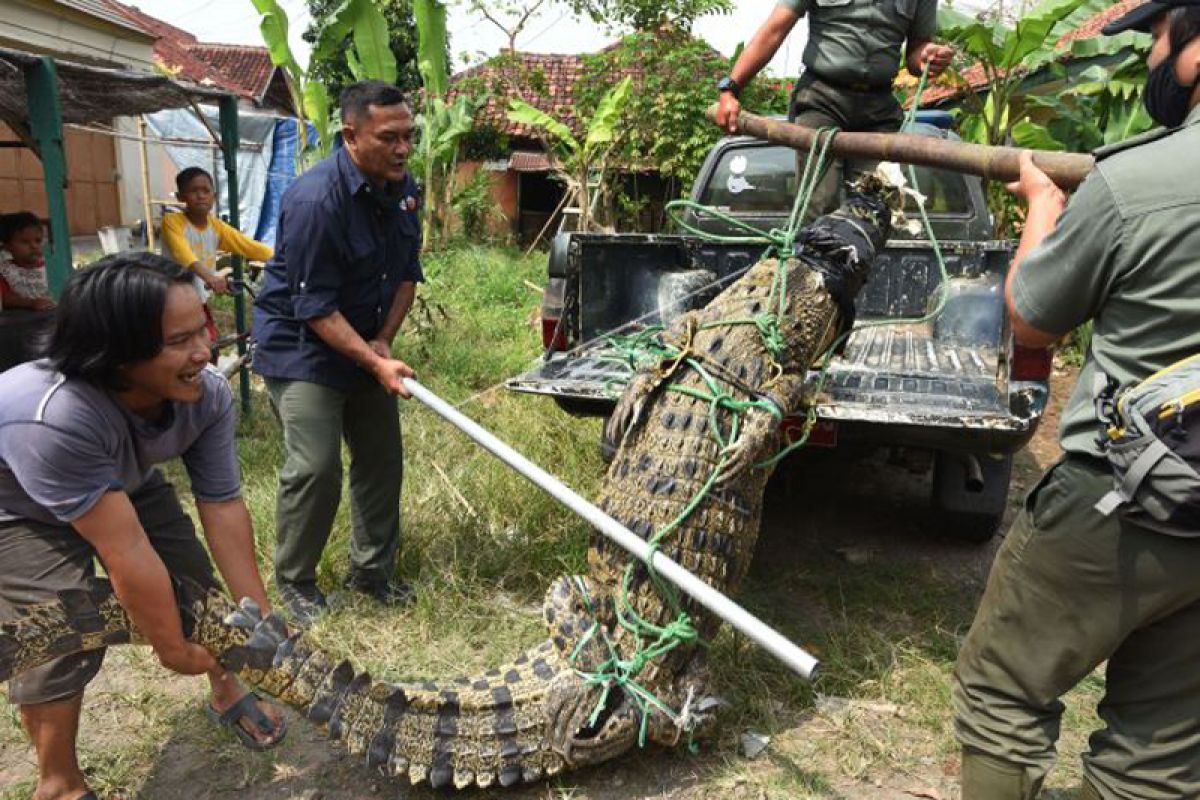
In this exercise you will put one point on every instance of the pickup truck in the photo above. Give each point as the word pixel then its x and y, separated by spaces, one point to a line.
pixel 953 395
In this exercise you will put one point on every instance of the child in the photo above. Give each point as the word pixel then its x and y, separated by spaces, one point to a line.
pixel 193 237
pixel 22 267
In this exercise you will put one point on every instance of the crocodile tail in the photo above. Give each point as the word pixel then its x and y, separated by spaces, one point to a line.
pixel 482 731
pixel 77 620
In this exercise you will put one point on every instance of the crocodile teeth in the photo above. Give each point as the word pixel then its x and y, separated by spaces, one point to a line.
pixel 417 773
pixel 463 779
pixel 485 779
pixel 531 774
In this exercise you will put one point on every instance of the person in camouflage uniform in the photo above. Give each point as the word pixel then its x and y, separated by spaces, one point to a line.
pixel 1072 588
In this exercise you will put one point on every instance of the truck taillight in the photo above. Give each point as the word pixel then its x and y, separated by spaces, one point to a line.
pixel 554 334
pixel 1031 363
pixel 554 327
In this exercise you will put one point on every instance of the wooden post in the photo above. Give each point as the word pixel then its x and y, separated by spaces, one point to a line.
pixel 46 128
pixel 995 163
pixel 147 206
pixel 229 147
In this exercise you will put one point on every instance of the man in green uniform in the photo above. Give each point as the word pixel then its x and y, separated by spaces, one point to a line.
pixel 1072 588
pixel 852 57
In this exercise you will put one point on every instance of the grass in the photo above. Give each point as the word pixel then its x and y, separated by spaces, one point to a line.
pixel 482 544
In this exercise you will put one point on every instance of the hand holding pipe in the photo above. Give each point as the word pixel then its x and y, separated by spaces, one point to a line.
pixel 1067 170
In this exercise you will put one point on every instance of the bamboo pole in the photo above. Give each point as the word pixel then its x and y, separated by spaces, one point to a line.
pixel 145 159
pixel 995 163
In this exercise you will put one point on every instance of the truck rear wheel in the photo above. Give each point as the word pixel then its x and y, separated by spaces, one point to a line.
pixel 970 493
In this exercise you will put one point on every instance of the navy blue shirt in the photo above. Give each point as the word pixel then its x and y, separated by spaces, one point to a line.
pixel 343 245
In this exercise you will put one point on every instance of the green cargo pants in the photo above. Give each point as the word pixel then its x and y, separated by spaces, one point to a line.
pixel 1070 589
pixel 816 104
pixel 315 421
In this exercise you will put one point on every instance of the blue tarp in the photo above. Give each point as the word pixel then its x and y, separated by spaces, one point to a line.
pixel 266 161
pixel 279 175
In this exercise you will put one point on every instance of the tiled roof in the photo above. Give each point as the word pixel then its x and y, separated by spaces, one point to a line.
pixel 975 78
pixel 526 161
pixel 1090 29
pixel 247 66
pixel 561 73
pixel 244 70
pixel 557 99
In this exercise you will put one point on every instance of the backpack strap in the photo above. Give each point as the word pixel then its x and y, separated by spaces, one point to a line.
pixel 1137 472
pixel 1104 396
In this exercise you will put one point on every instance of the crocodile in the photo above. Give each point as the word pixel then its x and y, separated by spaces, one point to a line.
pixel 693 429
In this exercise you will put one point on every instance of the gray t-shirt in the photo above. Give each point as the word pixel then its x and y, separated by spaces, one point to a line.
pixel 65 443
pixel 1126 255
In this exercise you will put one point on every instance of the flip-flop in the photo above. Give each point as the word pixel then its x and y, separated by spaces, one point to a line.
pixel 248 707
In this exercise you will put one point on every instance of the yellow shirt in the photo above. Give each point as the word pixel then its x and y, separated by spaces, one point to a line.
pixel 189 245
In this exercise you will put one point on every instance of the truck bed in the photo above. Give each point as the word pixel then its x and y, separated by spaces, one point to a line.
pixel 947 374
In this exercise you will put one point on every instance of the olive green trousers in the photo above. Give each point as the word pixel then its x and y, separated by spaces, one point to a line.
pixel 316 419
pixel 816 104
pixel 1069 590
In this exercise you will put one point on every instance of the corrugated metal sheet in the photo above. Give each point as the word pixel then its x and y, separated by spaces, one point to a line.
pixel 101 9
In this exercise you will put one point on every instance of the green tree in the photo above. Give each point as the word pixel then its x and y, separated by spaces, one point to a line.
pixel 1009 54
pixel 333 69
pixel 581 163
pixel 1102 105
pixel 441 123
pixel 647 15
pixel 664 127
pixel 368 55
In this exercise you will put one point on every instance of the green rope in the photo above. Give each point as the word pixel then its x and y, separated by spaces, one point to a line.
pixel 943 292
pixel 647 347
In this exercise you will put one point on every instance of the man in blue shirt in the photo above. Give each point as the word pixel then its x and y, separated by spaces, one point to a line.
pixel 342 280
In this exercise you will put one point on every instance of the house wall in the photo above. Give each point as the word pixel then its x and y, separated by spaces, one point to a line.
pixel 504 193
pixel 92 196
pixel 58 30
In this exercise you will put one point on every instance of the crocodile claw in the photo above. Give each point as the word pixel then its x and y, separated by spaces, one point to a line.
pixel 267 635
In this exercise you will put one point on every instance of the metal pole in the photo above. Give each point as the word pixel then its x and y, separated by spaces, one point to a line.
pixel 46 128
pixel 996 163
pixel 228 110
pixel 771 640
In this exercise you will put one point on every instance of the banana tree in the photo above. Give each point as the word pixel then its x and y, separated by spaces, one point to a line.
pixel 1008 55
pixel 370 57
pixel 442 126
pixel 441 122
pixel 581 165
pixel 1102 106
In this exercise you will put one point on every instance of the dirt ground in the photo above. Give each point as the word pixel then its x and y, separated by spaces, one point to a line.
pixel 822 511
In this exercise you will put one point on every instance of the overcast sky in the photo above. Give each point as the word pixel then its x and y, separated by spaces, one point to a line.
pixel 552 31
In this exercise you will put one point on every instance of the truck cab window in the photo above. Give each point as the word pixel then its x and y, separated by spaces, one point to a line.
pixel 758 179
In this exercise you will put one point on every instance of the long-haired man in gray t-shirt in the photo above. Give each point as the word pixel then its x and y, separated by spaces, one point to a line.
pixel 124 386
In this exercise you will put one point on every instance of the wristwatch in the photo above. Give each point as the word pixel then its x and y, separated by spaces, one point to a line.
pixel 728 84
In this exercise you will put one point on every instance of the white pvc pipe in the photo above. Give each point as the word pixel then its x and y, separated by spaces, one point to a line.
pixel 770 639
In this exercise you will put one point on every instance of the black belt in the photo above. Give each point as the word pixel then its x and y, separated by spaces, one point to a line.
pixel 851 86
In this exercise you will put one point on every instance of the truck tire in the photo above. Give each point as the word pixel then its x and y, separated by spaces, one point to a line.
pixel 970 493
